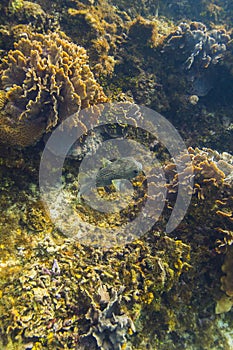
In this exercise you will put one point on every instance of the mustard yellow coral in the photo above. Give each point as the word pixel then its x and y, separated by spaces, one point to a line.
pixel 46 78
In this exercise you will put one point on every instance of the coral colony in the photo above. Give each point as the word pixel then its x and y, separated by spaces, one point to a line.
pixel 160 290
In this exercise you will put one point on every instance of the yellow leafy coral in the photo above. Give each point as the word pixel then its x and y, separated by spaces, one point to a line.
pixel 44 79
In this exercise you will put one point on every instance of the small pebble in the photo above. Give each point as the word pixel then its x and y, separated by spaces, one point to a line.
pixel 193 99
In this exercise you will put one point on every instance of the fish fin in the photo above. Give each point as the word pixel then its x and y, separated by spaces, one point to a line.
pixel 121 184
pixel 81 176
pixel 79 198
pixel 106 162
pixel 84 189
pixel 117 184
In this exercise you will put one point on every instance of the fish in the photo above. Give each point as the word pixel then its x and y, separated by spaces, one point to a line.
pixel 112 173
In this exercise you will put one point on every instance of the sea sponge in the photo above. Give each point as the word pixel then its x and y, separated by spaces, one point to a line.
pixel 46 78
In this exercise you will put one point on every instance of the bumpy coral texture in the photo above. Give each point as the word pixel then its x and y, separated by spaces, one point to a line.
pixel 199 50
pixel 107 327
pixel 227 280
pixel 225 303
pixel 207 46
pixel 101 27
pixel 44 80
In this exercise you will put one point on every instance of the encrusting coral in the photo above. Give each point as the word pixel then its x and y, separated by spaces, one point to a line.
pixel 44 80
pixel 108 323
pixel 227 280
pixel 101 28
pixel 225 302
pixel 205 46
pixel 79 290
pixel 199 50
pixel 84 301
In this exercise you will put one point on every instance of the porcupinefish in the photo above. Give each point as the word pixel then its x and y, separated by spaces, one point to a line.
pixel 112 173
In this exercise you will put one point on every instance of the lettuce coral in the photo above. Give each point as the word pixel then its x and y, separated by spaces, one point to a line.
pixel 44 79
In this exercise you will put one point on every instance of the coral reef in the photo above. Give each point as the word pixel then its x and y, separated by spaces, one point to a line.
pixel 227 281
pixel 147 72
pixel 156 291
pixel 225 301
pixel 108 325
pixel 26 11
pixel 217 12
pixel 200 49
pixel 81 299
pixel 138 70
pixel 43 80
pixel 204 46
pixel 101 29
pixel 29 13
pixel 127 60
pixel 92 297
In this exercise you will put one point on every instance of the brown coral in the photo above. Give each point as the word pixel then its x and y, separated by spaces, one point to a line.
pixel 46 78
pixel 101 28
pixel 227 280
pixel 107 327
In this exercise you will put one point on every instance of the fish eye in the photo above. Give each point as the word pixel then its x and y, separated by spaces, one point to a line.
pixel 135 171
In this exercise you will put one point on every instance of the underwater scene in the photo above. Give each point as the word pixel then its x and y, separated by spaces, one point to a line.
pixel 116 175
